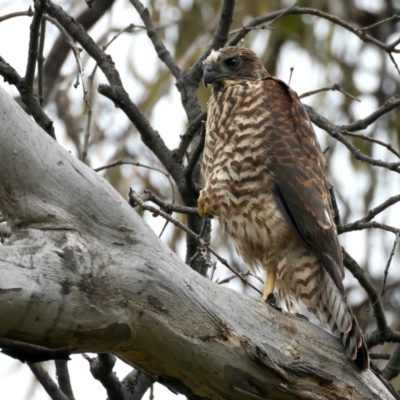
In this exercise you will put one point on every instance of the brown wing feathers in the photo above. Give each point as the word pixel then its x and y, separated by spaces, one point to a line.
pixel 303 197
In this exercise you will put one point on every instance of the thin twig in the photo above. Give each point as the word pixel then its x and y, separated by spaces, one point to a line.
pixel 389 261
pixel 379 356
pixel 373 140
pixel 391 47
pixel 360 226
pixel 392 18
pixel 138 164
pixel 336 132
pixel 361 124
pixel 280 15
pixel 392 368
pixel 168 207
pixel 63 378
pixel 196 153
pixel 191 131
pixel 333 87
pixel 28 13
pixel 41 60
pixel 136 199
pixel 368 286
pixel 40 6
pixel 48 384
pixel 162 52
pixel 28 97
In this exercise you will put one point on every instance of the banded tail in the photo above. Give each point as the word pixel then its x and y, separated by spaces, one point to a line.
pixel 333 310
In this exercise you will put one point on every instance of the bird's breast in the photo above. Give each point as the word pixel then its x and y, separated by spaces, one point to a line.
pixel 238 181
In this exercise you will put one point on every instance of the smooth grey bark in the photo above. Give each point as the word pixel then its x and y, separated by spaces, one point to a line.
pixel 83 270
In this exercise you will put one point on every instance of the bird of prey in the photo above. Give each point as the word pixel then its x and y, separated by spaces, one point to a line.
pixel 265 181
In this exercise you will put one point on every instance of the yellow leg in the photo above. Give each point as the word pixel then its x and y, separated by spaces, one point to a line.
pixel 204 209
pixel 270 282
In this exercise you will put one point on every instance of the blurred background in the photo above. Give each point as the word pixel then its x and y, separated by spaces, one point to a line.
pixel 312 51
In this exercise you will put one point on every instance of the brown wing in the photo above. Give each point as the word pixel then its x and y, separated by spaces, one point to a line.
pixel 301 184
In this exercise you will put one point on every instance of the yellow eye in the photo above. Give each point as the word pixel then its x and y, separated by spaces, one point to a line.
pixel 232 63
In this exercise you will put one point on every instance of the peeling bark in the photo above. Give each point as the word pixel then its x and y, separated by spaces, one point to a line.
pixel 82 270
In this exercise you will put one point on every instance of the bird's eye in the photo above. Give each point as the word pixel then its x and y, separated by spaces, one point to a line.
pixel 232 63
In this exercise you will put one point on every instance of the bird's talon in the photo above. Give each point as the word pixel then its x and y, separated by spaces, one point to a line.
pixel 271 300
pixel 204 209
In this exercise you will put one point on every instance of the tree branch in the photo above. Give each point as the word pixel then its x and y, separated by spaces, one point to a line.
pixel 29 98
pixel 101 368
pixel 34 43
pixel 48 384
pixel 162 52
pixel 312 11
pixel 367 285
pixel 336 132
pixel 392 368
pixel 64 381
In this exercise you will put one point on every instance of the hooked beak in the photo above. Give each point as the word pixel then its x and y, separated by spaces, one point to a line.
pixel 209 76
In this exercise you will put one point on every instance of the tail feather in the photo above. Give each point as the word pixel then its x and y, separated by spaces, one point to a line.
pixel 334 311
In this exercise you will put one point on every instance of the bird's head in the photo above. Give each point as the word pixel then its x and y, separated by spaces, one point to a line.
pixel 230 64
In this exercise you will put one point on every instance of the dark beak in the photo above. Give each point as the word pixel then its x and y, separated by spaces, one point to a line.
pixel 209 76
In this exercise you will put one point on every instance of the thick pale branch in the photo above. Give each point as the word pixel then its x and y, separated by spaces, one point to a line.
pixel 82 270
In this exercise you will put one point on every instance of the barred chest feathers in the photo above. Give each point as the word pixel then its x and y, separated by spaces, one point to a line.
pixel 239 185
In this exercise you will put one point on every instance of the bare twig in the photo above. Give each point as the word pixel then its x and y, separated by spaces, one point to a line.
pixel 191 131
pixel 41 61
pixel 379 356
pixel 28 13
pixel 168 207
pixel 138 164
pixel 391 47
pixel 333 87
pixel 158 44
pixel 137 199
pixel 361 124
pixel 360 226
pixel 380 337
pixel 280 15
pixel 336 132
pixel 367 285
pixel 27 352
pixel 101 368
pixel 64 381
pixel 373 140
pixel 389 261
pixel 29 98
pixel 196 153
pixel 34 43
pixel 392 368
pixel 392 18
pixel 48 384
